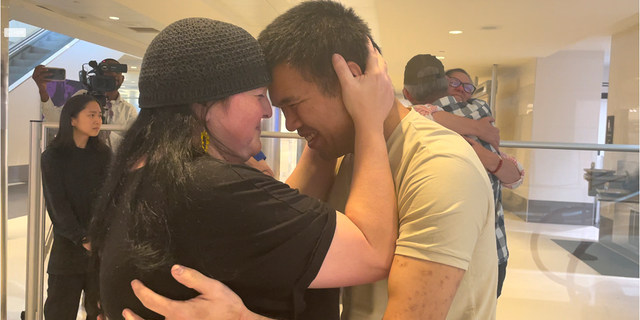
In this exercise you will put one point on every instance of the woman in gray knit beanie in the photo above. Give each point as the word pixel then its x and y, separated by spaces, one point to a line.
pixel 178 191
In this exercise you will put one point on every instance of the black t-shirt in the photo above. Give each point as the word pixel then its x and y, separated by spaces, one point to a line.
pixel 71 179
pixel 261 238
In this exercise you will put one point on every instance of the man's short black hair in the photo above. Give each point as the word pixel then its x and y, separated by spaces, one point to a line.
pixel 307 35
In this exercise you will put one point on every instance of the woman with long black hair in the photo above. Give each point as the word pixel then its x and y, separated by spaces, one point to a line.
pixel 74 167
pixel 179 190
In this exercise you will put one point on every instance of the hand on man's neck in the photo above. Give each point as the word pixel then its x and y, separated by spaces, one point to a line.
pixel 398 112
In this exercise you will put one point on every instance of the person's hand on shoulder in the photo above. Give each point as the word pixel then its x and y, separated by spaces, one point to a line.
pixel 261 165
pixel 488 132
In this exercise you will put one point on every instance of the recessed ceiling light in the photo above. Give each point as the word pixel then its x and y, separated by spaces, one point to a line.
pixel 134 67
pixel 440 57
pixel 455 32
pixel 114 18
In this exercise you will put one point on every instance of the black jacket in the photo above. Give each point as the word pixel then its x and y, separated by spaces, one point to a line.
pixel 71 180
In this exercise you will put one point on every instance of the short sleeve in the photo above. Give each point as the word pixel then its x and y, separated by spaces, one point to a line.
pixel 263 239
pixel 443 204
pixel 50 112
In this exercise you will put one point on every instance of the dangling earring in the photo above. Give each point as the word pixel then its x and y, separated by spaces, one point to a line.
pixel 204 137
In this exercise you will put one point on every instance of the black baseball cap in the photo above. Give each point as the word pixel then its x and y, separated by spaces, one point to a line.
pixel 417 70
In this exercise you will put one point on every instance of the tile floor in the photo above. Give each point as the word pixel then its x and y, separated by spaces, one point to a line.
pixel 543 280
pixel 546 282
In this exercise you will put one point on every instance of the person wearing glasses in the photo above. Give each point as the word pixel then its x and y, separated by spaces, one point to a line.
pixel 425 82
pixel 460 86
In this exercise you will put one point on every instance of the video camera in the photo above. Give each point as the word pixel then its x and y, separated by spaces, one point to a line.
pixel 96 83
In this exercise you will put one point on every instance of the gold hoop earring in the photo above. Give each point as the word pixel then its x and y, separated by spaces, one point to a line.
pixel 204 137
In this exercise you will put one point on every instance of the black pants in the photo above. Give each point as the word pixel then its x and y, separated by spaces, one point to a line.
pixel 63 297
pixel 502 273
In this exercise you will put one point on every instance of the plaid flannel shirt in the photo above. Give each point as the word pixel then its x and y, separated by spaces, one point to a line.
pixel 476 109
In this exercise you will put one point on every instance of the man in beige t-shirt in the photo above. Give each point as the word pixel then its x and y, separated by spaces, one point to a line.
pixel 446 212
pixel 445 259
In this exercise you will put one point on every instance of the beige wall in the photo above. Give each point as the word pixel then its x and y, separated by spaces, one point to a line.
pixel 514 100
pixel 552 99
pixel 566 108
pixel 623 97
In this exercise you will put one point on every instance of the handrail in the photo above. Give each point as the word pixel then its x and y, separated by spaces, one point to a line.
pixel 504 144
pixel 282 135
pixel 570 146
pixel 45 62
pixel 24 42
pixel 515 144
pixel 35 230
pixel 36 233
pixel 4 139
pixel 105 127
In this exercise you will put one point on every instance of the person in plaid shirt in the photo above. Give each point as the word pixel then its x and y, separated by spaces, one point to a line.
pixel 427 83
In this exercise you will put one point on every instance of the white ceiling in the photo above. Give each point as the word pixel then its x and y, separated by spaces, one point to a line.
pixel 526 28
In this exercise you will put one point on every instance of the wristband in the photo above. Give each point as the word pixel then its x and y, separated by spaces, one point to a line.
pixel 260 156
pixel 499 165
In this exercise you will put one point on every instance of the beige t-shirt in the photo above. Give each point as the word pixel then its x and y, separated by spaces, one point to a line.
pixel 446 212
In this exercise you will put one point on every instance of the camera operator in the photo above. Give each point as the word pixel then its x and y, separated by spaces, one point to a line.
pixel 116 111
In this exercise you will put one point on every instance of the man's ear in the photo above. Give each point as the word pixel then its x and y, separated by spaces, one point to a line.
pixel 355 68
pixel 407 95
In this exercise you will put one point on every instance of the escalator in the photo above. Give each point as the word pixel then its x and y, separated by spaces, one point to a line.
pixel 28 52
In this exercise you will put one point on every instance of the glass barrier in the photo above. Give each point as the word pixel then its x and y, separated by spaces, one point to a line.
pixel 572 232
pixel 572 226
pixel 38 45
pixel 29 30
pixel 39 232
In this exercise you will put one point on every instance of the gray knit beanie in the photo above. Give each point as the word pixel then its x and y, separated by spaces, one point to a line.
pixel 199 60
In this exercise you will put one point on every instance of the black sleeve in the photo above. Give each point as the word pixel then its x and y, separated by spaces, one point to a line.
pixel 263 239
pixel 58 205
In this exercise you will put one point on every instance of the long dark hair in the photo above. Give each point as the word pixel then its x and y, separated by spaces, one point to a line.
pixel 162 138
pixel 70 110
pixel 147 183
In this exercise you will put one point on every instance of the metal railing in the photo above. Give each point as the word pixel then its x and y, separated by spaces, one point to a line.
pixel 4 168
pixel 37 242
pixel 37 212
pixel 35 229
pixel 25 42
pixel 516 144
